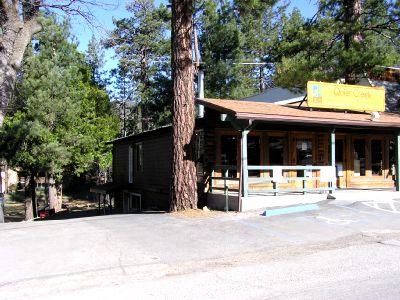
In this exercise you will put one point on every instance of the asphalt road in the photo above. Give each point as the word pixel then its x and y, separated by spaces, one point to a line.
pixel 343 250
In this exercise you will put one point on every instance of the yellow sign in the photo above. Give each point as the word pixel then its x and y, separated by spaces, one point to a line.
pixel 344 96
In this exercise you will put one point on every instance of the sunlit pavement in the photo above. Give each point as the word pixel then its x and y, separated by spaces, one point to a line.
pixel 344 249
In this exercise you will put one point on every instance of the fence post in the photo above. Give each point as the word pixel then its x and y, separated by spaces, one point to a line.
pixel 226 189
pixel 226 172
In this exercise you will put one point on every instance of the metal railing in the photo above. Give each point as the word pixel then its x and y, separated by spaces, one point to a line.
pixel 225 177
pixel 326 175
pixel 279 175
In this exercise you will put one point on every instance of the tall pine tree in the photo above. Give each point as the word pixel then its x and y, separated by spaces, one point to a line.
pixel 143 49
pixel 345 39
pixel 63 119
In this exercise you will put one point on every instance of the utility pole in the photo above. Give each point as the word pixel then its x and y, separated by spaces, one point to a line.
pixel 261 78
pixel 200 73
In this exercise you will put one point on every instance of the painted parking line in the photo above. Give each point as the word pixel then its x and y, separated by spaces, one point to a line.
pixel 384 205
pixel 360 211
pixel 391 242
pixel 346 207
pixel 333 221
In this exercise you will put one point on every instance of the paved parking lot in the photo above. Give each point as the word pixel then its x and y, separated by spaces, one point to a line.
pixel 350 248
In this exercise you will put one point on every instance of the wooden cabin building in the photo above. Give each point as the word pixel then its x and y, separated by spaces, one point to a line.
pixel 247 148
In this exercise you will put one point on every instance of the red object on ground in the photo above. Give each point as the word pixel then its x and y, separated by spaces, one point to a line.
pixel 43 213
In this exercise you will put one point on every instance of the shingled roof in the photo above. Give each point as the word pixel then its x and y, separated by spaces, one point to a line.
pixel 278 113
pixel 277 94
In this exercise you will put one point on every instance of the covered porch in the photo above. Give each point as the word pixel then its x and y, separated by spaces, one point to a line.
pixel 267 153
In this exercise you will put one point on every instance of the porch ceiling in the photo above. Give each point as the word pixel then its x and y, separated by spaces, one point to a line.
pixel 279 113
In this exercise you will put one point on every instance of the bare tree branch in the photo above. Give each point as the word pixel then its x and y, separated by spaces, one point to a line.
pixel 19 22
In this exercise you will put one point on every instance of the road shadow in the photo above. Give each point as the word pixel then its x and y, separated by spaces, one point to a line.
pixel 65 215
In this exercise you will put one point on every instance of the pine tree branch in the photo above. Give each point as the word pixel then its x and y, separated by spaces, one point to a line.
pixel 81 8
pixel 388 37
pixel 391 25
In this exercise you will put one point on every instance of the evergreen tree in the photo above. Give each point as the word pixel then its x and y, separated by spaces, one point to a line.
pixel 19 21
pixel 222 45
pixel 143 49
pixel 345 39
pixel 237 43
pixel 184 179
pixel 95 59
pixel 63 119
pixel 122 95
pixel 261 22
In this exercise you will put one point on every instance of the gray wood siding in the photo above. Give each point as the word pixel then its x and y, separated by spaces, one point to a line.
pixel 120 163
pixel 157 156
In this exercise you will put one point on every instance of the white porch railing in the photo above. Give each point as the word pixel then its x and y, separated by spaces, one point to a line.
pixel 224 169
pixel 280 175
pixel 327 174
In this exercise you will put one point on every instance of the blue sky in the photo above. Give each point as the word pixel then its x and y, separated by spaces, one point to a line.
pixel 104 17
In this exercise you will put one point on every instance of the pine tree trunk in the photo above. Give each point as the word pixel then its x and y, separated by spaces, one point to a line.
pixel 30 202
pixel 28 209
pixel 184 183
pixel 55 195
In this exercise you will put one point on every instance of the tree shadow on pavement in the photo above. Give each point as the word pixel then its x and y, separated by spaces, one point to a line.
pixel 65 215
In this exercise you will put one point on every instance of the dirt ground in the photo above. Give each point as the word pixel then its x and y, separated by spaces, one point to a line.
pixel 14 208
pixel 199 213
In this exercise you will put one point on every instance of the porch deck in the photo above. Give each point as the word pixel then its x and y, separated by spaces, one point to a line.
pixel 217 198
pixel 273 184
pixel 273 155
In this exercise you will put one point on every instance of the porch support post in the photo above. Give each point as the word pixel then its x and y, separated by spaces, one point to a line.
pixel 333 158
pixel 397 158
pixel 245 171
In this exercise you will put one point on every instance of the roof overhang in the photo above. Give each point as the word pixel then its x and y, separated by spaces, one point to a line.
pixel 273 113
pixel 156 131
pixel 290 101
